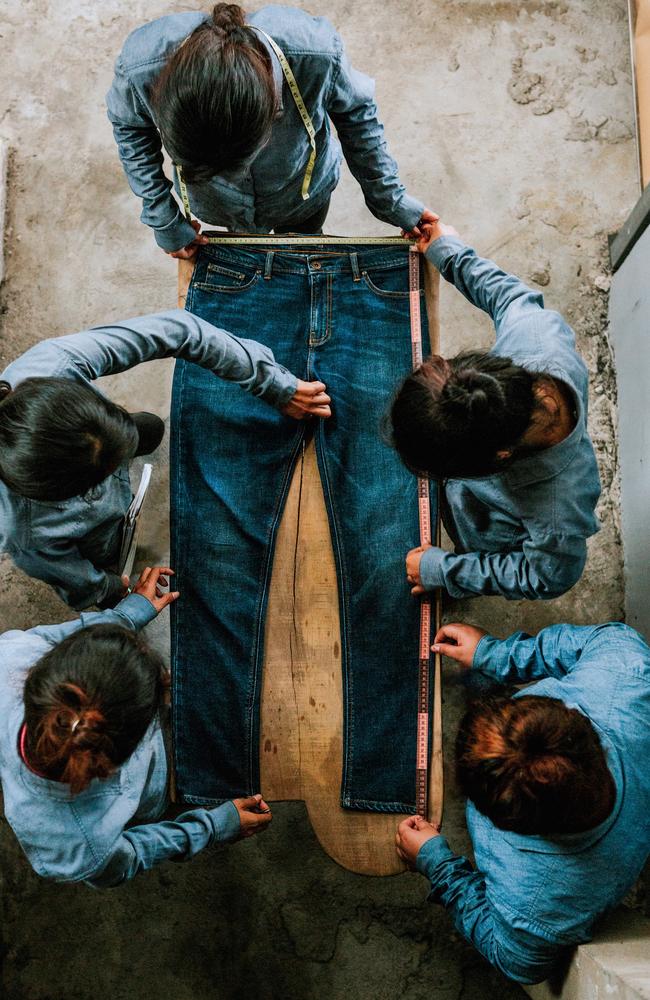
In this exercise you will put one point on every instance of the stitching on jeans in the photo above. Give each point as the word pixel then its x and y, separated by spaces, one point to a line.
pixel 177 696
pixel 344 613
pixel 228 289
pixel 257 649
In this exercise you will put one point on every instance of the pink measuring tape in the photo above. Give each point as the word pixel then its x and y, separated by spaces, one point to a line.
pixel 424 672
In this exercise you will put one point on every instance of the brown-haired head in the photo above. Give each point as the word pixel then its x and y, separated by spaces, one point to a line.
pixel 533 765
pixel 215 99
pixel 89 702
pixel 452 418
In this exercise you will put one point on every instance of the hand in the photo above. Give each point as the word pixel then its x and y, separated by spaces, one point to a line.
pixel 411 834
pixel 191 250
pixel 413 560
pixel 458 642
pixel 309 400
pixel 432 231
pixel 149 586
pixel 427 218
pixel 254 815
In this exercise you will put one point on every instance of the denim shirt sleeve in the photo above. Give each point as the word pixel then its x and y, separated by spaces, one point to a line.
pixel 544 568
pixel 116 347
pixel 134 612
pixel 140 150
pixel 142 847
pixel 516 953
pixel 351 106
pixel 553 652
pixel 504 297
pixel 76 580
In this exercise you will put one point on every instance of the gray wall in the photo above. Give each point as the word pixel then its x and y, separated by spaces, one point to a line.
pixel 629 316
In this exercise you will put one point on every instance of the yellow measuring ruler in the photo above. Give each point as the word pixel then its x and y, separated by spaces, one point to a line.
pixel 309 241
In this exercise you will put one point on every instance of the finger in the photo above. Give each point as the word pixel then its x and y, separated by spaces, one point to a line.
pixel 125 581
pixel 249 801
pixel 166 599
pixel 316 387
pixel 453 652
pixel 321 398
pixel 144 575
pixel 322 411
pixel 416 591
pixel 451 631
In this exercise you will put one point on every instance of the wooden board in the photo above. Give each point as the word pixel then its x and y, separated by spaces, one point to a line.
pixel 302 700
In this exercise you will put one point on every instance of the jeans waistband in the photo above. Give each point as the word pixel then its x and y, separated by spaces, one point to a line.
pixel 295 259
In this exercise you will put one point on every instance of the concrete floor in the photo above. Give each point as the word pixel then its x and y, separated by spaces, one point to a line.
pixel 514 120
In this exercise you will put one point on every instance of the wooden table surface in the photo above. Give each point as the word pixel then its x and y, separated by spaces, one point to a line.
pixel 301 701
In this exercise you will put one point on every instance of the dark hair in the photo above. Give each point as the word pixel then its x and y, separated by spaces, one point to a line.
pixel 59 438
pixel 533 765
pixel 449 418
pixel 215 99
pixel 89 702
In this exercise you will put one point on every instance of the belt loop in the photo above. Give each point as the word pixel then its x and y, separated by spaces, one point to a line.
pixel 354 263
pixel 268 266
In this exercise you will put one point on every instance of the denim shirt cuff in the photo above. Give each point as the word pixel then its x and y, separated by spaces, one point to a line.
pixel 431 568
pixel 430 855
pixel 282 389
pixel 137 609
pixel 175 235
pixel 408 213
pixel 483 654
pixel 225 822
pixel 443 248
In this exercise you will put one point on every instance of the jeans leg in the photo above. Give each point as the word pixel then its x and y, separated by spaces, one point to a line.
pixel 372 502
pixel 232 457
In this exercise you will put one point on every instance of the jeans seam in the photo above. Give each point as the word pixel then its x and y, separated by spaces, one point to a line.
pixel 177 675
pixel 252 705
pixel 344 609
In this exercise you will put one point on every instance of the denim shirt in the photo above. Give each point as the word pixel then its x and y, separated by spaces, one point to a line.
pixel 66 543
pixel 521 532
pixel 531 897
pixel 268 193
pixel 107 833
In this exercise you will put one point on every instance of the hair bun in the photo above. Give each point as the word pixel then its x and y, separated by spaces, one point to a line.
pixel 473 391
pixel 228 18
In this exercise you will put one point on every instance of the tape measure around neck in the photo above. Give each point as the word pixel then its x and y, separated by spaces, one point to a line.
pixel 302 111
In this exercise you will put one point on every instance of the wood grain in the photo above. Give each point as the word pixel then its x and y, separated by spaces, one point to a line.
pixel 301 723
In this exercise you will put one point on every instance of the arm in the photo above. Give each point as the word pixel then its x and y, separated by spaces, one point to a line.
pixel 105 350
pixel 553 652
pixel 76 580
pixel 352 108
pixel 134 612
pixel 140 848
pixel 483 283
pixel 544 568
pixel 140 150
pixel 516 953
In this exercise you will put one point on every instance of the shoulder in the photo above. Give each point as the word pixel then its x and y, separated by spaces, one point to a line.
pixel 298 32
pixel 153 41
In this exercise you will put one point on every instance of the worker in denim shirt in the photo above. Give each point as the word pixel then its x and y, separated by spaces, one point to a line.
pixel 506 431
pixel 82 760
pixel 558 786
pixel 212 90
pixel 65 448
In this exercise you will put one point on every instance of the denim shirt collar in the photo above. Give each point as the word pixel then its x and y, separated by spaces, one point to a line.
pixel 574 843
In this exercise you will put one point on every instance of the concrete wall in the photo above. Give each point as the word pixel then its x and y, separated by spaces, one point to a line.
pixel 629 318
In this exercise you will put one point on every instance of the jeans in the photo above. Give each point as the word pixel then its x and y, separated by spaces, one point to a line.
pixel 340 315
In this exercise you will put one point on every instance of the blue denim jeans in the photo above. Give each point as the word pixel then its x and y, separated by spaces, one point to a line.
pixel 342 316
